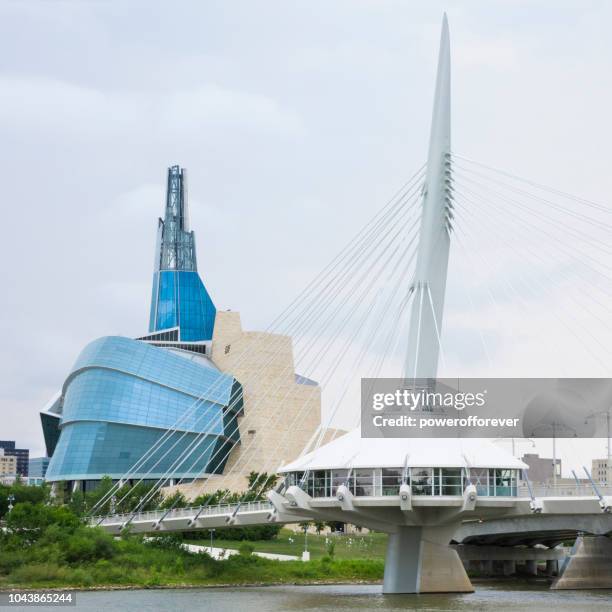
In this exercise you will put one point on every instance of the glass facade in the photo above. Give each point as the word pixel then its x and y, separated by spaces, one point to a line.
pixel 51 431
pixel 38 467
pixel 438 481
pixel 179 298
pixel 120 398
pixel 89 451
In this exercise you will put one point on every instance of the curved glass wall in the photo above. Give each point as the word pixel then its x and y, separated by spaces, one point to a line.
pixel 438 481
pixel 123 395
pixel 180 300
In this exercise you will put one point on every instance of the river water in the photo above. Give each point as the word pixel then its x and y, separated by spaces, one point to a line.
pixel 342 597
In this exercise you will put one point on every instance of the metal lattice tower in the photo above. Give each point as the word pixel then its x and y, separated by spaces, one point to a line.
pixel 177 243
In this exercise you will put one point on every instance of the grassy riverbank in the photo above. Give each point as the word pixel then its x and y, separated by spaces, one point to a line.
pixel 132 562
pixel 370 546
pixel 46 545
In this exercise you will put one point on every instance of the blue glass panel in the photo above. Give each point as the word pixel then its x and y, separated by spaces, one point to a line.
pixel 167 300
pixel 90 450
pixel 154 364
pixel 153 302
pixel 123 395
pixel 196 309
pixel 106 395
pixel 182 299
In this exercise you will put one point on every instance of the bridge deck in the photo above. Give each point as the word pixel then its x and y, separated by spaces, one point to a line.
pixel 560 500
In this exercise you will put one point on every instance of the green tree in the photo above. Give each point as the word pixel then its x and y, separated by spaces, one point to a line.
pixel 259 483
pixel 304 525
pixel 177 500
pixel 77 503
pixel 22 493
pixel 220 496
pixel 93 499
pixel 29 520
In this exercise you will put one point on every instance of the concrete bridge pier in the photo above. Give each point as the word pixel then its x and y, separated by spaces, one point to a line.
pixel 509 568
pixel 419 560
pixel 589 565
pixel 486 567
pixel 531 567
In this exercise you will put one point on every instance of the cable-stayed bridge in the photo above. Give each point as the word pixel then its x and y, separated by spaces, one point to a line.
pixel 581 500
pixel 378 310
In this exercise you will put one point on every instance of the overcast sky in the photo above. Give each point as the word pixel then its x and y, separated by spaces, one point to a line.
pixel 295 120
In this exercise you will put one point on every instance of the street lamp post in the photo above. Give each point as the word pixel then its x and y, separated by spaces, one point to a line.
pixel 306 554
pixel 11 499
pixel 514 443
pixel 554 461
pixel 212 534
pixel 605 413
pixel 554 428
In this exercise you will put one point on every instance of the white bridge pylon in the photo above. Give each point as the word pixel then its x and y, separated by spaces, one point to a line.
pixel 429 285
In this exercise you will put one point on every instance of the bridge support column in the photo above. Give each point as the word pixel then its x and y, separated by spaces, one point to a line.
pixel 589 565
pixel 486 567
pixel 531 567
pixel 552 567
pixel 509 568
pixel 419 560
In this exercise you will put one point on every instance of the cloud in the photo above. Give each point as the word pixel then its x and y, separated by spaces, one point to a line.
pixel 38 104
pixel 500 55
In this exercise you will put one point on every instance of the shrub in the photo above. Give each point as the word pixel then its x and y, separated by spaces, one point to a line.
pixel 88 544
pixel 105 571
pixel 22 494
pixel 246 550
pixel 170 541
pixel 30 520
pixel 11 560
pixel 331 549
pixel 177 500
pixel 37 573
pixel 254 533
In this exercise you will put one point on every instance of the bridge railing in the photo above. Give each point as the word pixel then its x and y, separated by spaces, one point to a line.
pixel 564 490
pixel 155 515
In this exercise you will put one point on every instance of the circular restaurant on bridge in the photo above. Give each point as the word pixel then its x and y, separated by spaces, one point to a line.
pixel 377 467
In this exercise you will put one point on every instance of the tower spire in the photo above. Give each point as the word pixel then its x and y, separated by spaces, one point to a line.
pixel 179 298
pixel 429 284
pixel 177 243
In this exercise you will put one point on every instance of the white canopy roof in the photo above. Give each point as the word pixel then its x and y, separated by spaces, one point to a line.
pixel 353 451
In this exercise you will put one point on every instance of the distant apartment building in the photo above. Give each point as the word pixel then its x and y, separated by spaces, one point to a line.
pixel 21 454
pixel 601 470
pixel 38 467
pixel 8 464
pixel 541 468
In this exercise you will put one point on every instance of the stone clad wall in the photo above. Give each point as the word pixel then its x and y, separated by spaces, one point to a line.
pixel 280 416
